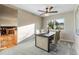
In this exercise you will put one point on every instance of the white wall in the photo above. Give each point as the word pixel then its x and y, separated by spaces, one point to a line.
pixel 68 21
pixel 77 44
pixel 26 24
pixel 26 18
pixel 5 22
pixel 8 16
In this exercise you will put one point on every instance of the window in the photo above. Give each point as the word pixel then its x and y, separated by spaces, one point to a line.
pixel 56 24
pixel 60 23
pixel 77 21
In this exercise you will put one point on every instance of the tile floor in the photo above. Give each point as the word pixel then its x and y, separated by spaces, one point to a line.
pixel 27 47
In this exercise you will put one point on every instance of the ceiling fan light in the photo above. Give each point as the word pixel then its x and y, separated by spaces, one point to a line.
pixel 47 14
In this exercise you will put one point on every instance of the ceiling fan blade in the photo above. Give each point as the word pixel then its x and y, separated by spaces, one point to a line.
pixel 53 11
pixel 50 8
pixel 41 11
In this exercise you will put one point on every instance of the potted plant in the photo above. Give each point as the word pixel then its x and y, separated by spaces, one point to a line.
pixel 53 25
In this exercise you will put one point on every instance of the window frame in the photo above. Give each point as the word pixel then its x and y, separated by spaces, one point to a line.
pixel 76 23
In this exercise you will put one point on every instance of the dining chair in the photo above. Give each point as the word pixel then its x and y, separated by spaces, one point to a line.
pixel 54 42
pixel 57 37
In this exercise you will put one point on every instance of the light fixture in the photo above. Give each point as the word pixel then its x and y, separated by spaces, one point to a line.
pixel 47 14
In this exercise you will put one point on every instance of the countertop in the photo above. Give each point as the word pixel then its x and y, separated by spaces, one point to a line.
pixel 45 34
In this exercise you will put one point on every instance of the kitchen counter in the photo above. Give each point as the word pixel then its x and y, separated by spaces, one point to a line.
pixel 42 40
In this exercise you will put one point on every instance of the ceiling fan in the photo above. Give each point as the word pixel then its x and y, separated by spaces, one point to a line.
pixel 48 10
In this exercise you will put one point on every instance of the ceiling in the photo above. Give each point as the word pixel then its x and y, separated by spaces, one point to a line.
pixel 33 8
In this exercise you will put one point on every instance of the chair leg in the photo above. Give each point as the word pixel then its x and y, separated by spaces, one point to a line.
pixel 53 47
